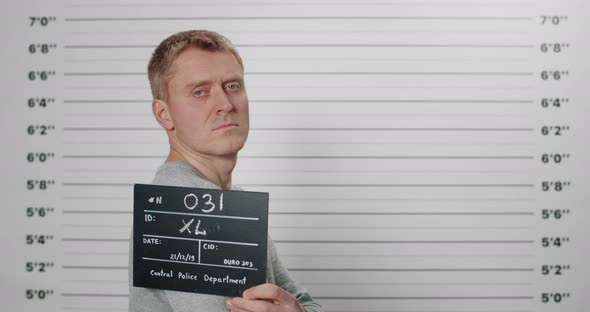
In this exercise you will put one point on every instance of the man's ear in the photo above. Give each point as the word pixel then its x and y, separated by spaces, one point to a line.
pixel 162 113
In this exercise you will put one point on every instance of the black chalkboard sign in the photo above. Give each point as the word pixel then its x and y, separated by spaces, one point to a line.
pixel 199 240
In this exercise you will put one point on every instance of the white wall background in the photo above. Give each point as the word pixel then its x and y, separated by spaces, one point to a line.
pixel 401 143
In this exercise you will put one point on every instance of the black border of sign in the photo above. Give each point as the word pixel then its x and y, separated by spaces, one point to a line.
pixel 260 209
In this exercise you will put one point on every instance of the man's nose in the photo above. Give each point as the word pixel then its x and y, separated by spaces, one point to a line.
pixel 222 100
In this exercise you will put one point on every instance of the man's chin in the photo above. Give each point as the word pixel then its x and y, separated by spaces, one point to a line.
pixel 231 149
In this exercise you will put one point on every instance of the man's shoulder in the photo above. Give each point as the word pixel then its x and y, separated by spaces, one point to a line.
pixel 179 173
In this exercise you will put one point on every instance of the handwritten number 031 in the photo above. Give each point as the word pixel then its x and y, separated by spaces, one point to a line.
pixel 209 203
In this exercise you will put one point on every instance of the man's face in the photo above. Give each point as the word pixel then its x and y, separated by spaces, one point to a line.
pixel 208 103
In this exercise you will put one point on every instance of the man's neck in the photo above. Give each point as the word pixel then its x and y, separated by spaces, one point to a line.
pixel 216 169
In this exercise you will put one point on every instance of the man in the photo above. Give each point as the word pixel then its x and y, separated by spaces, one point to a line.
pixel 197 82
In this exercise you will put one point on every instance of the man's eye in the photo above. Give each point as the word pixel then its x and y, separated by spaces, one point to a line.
pixel 200 92
pixel 233 86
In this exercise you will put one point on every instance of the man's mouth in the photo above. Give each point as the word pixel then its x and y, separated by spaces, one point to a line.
pixel 226 125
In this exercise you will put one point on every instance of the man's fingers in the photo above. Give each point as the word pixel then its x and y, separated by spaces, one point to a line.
pixel 245 305
pixel 265 298
pixel 269 292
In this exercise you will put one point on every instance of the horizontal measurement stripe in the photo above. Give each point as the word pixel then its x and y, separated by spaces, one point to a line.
pixel 98 211
pixel 309 129
pixel 321 241
pixel 321 185
pixel 311 45
pixel 125 308
pixel 306 157
pixel 428 298
pixel 411 284
pixel 158 142
pixel 343 213
pixel 515 171
pixel 189 18
pixel 93 295
pixel 323 228
pixel 81 253
pixel 307 3
pixel 76 239
pixel 384 185
pixel 326 73
pixel 416 270
pixel 396 198
pixel 392 45
pixel 391 157
pixel 324 101
pixel 402 213
pixel 529 199
pixel 93 267
pixel 372 255
pixel 126 281
pixel 353 298
pixel 81 225
pixel 298 115
pixel 406 241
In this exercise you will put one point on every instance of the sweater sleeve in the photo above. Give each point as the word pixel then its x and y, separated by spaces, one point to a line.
pixel 284 280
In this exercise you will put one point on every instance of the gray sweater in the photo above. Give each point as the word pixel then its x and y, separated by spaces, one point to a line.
pixel 180 173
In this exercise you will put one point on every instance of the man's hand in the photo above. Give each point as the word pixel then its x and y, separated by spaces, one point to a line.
pixel 265 298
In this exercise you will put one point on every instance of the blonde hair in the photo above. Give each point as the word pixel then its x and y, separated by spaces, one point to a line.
pixel 159 67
